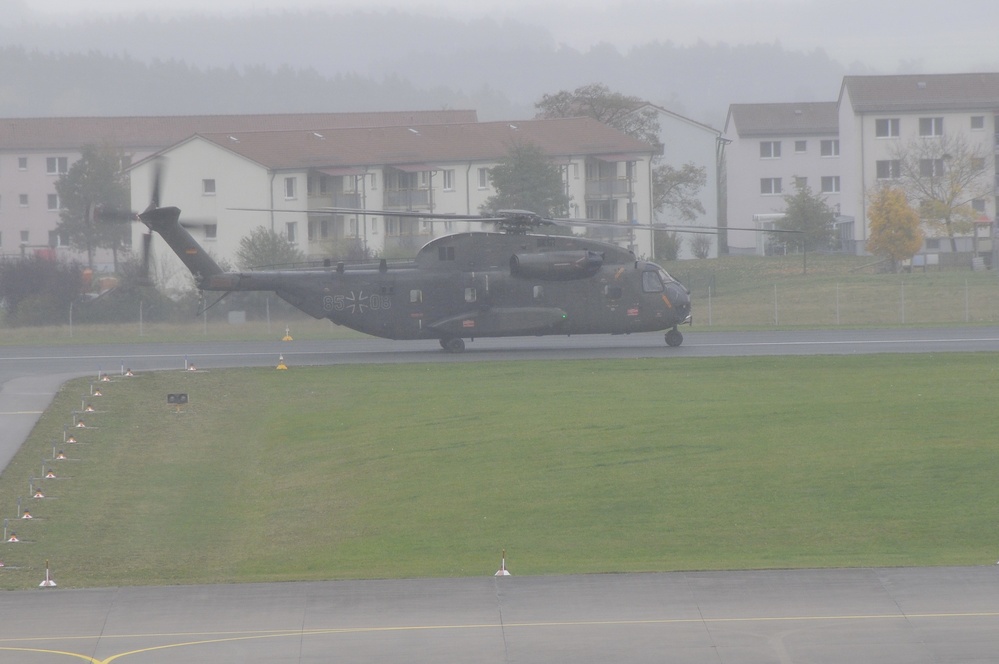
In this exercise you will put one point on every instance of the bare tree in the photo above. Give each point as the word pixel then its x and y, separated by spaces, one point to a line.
pixel 945 175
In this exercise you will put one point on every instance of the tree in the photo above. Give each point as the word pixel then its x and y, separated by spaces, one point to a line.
pixel 38 291
pixel 526 179
pixel 678 189
pixel 667 245
pixel 264 247
pixel 895 232
pixel 945 174
pixel 631 115
pixel 700 246
pixel 96 179
pixel 809 219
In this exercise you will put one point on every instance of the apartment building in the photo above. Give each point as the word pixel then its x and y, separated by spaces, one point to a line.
pixel 35 152
pixel 845 150
pixel 884 117
pixel 278 177
pixel 772 147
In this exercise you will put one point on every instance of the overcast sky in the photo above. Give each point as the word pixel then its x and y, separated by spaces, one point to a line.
pixel 929 36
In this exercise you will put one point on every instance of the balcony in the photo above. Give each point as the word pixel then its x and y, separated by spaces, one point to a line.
pixel 608 187
pixel 407 199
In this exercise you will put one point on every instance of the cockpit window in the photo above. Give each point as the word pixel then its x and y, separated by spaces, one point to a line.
pixel 652 282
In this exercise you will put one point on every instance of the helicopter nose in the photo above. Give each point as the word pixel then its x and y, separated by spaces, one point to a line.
pixel 679 298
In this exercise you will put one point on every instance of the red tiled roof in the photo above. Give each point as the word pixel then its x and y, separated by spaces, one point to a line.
pixel 154 133
pixel 440 143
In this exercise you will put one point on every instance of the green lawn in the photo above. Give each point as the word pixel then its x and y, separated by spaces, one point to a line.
pixel 572 467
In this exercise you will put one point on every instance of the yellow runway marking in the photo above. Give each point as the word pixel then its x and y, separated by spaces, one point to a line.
pixel 231 637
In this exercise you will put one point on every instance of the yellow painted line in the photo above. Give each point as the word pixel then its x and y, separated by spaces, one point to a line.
pixel 231 637
pixel 85 658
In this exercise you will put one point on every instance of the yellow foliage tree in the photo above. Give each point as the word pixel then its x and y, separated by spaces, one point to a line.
pixel 895 231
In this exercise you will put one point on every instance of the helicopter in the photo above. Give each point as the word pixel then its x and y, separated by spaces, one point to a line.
pixel 513 281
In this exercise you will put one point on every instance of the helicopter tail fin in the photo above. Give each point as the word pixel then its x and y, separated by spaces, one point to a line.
pixel 166 222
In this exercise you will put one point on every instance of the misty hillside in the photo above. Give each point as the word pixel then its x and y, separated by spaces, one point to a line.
pixel 301 62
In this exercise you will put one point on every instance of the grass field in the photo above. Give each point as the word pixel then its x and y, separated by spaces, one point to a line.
pixel 571 467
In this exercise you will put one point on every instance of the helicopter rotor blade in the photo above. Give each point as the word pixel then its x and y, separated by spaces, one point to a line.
pixel 147 240
pixel 154 198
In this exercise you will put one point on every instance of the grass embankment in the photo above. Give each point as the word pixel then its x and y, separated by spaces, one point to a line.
pixel 572 467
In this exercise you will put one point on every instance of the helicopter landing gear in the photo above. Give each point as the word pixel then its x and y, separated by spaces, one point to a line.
pixel 674 338
pixel 453 344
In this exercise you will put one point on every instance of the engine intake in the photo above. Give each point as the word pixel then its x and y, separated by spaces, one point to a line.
pixel 557 265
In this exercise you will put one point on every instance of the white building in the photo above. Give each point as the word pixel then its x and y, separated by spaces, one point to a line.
pixel 35 152
pixel 846 149
pixel 772 146
pixel 879 115
pixel 687 141
pixel 277 177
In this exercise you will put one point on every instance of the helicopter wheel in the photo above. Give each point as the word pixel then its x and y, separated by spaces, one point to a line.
pixel 674 338
pixel 453 344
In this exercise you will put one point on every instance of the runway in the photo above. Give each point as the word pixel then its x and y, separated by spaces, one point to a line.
pixel 815 616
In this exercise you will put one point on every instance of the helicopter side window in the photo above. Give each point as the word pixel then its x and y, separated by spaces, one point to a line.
pixel 612 292
pixel 651 282
pixel 469 295
pixel 415 296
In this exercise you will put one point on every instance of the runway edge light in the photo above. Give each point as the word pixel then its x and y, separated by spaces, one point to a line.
pixel 48 582
pixel 502 570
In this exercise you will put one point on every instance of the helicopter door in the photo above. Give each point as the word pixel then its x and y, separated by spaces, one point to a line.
pixel 478 291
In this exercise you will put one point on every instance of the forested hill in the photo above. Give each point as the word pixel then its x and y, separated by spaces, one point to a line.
pixel 320 62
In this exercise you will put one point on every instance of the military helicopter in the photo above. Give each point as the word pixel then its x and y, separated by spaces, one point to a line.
pixel 503 283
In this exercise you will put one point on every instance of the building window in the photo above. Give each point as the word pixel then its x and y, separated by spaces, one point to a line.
pixel 24 237
pixel 829 148
pixel 448 179
pixel 769 149
pixel 208 187
pixel 888 169
pixel 52 202
pixel 801 146
pixel 770 186
pixel 56 165
pixel 483 178
pixel 800 182
pixel 931 127
pixel 22 163
pixel 886 128
pixel 319 229
pixel 291 231
pixel 22 200
pixel 977 122
pixel 445 253
pixel 289 188
pixel 830 184
pixel 978 205
pixel 211 231
pixel 931 168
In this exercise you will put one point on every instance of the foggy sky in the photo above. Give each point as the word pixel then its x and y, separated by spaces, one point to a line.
pixel 887 35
